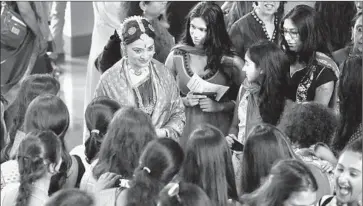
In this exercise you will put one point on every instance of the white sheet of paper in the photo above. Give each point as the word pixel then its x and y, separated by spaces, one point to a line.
pixel 197 84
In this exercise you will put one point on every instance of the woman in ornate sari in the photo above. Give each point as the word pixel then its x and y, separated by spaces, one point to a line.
pixel 139 80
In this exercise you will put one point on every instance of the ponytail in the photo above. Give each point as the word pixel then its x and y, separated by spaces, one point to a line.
pixel 92 145
pixel 98 115
pixel 144 187
pixel 31 169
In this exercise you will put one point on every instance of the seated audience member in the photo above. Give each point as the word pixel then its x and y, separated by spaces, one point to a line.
pixel 32 86
pixel 158 164
pixel 71 197
pixel 313 74
pixel 183 194
pixel 98 115
pixel 348 177
pixel 264 146
pixel 350 103
pixel 310 127
pixel 355 47
pixel 128 133
pixel 39 158
pixel 208 164
pixel 49 112
pixel 289 183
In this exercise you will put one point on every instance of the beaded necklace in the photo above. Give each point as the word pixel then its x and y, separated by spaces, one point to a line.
pixel 264 26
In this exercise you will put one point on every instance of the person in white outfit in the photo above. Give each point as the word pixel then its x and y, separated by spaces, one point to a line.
pixel 57 14
pixel 108 16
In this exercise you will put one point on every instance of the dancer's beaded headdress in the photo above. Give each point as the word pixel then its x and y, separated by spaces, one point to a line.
pixel 135 25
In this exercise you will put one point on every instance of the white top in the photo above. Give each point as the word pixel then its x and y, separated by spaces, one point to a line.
pixel 9 194
pixel 9 173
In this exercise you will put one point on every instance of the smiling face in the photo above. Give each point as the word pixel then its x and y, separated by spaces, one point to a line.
pixel 302 198
pixel 348 177
pixel 140 52
pixel 252 72
pixel 198 31
pixel 357 35
pixel 291 35
pixel 268 7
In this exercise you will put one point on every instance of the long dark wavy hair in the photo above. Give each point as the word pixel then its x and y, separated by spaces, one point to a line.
pixel 208 164
pixel 265 145
pixel 33 86
pixel 309 27
pixel 217 42
pixel 285 178
pixel 350 101
pixel 98 115
pixel 128 133
pixel 159 163
pixel 275 67
pixel 37 152
pixel 49 112
pixel 336 16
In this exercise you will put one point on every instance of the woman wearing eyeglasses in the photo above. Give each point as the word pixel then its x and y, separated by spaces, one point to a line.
pixel 312 73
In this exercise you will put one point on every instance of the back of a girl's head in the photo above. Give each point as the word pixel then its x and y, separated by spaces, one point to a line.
pixel 128 133
pixel 38 154
pixel 37 84
pixel 47 112
pixel 265 145
pixel 71 197
pixel 285 178
pixel 183 194
pixel 39 146
pixel 32 86
pixel 305 124
pixel 98 115
pixel 208 164
pixel 158 164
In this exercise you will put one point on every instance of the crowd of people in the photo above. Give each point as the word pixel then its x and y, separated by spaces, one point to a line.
pixel 247 104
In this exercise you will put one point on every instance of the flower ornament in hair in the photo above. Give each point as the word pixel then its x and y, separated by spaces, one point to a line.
pixel 132 30
pixel 174 191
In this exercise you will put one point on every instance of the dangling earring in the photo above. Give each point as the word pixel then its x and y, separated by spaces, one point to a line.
pixel 123 50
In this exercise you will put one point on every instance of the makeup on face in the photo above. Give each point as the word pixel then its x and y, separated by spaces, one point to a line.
pixel 198 31
pixel 140 52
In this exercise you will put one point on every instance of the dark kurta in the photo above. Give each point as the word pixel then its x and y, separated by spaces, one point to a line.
pixel 247 31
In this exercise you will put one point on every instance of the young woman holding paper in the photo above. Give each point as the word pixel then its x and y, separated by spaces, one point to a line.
pixel 205 51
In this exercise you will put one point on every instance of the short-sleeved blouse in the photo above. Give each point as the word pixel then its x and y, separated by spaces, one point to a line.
pixel 308 79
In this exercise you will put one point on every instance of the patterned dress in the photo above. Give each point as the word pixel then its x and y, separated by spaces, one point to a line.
pixel 158 96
